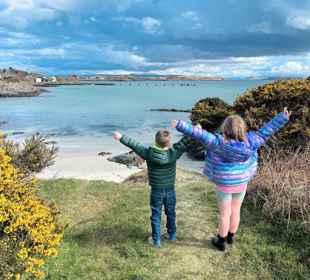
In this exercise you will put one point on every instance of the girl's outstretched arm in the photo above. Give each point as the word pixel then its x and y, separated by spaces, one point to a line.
pixel 272 127
pixel 137 147
pixel 195 132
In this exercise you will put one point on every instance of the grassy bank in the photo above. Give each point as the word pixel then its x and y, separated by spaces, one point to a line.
pixel 109 223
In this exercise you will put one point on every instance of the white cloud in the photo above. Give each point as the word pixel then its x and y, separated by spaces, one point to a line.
pixel 18 13
pixel 34 53
pixel 122 57
pixel 190 15
pixel 14 39
pixel 150 25
pixel 292 67
pixel 299 20
pixel 193 18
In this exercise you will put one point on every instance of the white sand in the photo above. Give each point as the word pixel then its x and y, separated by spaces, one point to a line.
pixel 91 167
pixel 78 159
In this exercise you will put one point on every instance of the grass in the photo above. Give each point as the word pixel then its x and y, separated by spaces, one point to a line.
pixel 107 225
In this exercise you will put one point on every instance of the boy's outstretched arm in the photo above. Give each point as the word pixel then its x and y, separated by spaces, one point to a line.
pixel 182 146
pixel 138 148
pixel 195 132
pixel 272 127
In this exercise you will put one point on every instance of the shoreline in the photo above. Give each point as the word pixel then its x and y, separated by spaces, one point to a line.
pixel 88 165
pixel 87 168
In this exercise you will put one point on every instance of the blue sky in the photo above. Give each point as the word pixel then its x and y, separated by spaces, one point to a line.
pixel 231 38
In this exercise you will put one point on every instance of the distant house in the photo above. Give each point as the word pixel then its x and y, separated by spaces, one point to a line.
pixel 38 80
pixel 53 79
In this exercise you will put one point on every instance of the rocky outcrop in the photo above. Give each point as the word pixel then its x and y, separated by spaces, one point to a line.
pixel 170 110
pixel 16 83
pixel 18 89
pixel 129 159
pixel 103 154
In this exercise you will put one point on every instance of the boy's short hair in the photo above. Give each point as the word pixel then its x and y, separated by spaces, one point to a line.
pixel 163 138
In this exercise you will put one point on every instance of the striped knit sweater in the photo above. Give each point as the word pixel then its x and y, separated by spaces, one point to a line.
pixel 232 163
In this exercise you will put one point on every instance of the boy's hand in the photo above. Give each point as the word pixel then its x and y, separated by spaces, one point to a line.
pixel 117 135
pixel 287 112
pixel 198 125
pixel 174 123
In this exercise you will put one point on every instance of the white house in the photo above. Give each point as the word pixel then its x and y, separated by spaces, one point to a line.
pixel 53 79
pixel 38 80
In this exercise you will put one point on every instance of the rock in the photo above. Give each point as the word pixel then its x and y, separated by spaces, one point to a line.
pixel 17 133
pixel 3 123
pixel 51 142
pixel 129 159
pixel 104 154
pixel 18 89
pixel 170 110
pixel 138 178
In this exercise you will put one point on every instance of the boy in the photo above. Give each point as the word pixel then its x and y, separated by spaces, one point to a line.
pixel 161 162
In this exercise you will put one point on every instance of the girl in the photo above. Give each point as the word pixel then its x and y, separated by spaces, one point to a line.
pixel 231 162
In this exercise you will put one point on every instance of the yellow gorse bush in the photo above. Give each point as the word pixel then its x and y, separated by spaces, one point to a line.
pixel 28 226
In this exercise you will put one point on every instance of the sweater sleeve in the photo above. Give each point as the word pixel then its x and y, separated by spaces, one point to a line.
pixel 181 146
pixel 261 136
pixel 196 133
pixel 137 147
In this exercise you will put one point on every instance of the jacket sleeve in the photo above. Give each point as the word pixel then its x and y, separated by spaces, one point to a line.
pixel 181 146
pixel 137 147
pixel 260 137
pixel 196 133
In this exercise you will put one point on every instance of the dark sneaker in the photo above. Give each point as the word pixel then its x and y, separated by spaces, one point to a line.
pixel 219 243
pixel 171 238
pixel 153 243
pixel 230 238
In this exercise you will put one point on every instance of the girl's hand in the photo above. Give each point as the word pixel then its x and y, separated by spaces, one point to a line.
pixel 287 112
pixel 117 135
pixel 174 123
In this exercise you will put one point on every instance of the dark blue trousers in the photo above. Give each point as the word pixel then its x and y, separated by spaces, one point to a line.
pixel 159 198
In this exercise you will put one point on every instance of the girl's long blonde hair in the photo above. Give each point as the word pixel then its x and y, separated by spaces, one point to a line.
pixel 234 128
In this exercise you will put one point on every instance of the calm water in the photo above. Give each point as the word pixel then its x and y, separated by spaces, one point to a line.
pixel 95 111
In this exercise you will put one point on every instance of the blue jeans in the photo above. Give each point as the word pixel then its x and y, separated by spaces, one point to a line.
pixel 160 198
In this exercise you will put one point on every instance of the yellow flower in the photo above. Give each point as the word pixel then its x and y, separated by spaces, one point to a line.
pixel 29 222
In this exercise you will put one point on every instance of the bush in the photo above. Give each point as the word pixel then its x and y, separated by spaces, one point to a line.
pixel 32 156
pixel 282 186
pixel 209 113
pixel 259 105
pixel 28 226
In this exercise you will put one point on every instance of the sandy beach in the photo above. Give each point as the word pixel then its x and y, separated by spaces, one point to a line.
pixel 90 166
pixel 87 168
pixel 78 160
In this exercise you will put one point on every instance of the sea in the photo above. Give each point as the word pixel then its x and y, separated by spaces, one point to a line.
pixel 80 119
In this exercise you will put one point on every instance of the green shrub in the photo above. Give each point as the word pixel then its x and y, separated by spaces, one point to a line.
pixel 32 156
pixel 259 105
pixel 209 113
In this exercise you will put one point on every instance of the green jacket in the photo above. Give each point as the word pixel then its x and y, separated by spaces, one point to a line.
pixel 161 163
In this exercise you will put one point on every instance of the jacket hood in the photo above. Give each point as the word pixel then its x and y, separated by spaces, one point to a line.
pixel 158 155
pixel 233 151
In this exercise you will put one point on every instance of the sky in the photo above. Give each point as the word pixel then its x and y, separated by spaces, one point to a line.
pixel 229 38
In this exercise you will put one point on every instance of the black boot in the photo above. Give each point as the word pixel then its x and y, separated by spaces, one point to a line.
pixel 230 238
pixel 219 242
